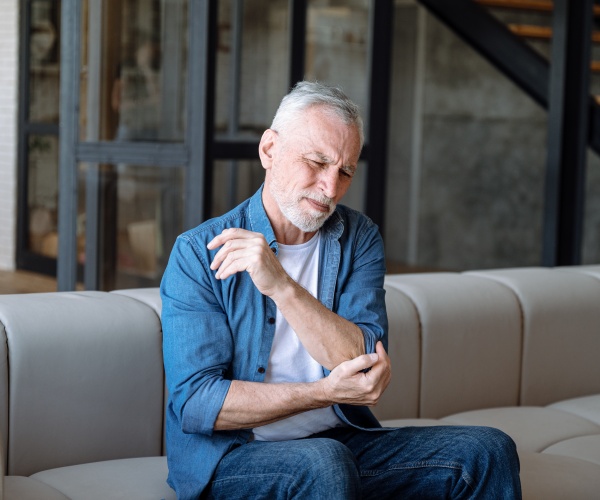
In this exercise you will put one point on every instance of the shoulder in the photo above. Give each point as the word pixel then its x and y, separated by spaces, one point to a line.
pixel 356 225
pixel 203 233
pixel 190 258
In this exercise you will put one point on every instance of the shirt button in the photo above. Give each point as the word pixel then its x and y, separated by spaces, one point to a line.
pixel 273 249
pixel 261 369
pixel 271 321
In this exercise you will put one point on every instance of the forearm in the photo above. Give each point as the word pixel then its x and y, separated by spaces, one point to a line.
pixel 329 338
pixel 252 404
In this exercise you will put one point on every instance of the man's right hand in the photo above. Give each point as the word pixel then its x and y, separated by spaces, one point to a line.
pixel 349 383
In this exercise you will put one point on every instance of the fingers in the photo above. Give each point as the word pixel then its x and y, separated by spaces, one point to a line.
pixel 353 366
pixel 237 245
pixel 352 383
pixel 380 350
pixel 361 363
pixel 230 263
pixel 232 250
pixel 228 234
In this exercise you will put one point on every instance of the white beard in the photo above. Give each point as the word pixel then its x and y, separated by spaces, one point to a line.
pixel 307 220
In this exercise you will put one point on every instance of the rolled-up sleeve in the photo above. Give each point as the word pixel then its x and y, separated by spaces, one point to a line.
pixel 362 297
pixel 197 341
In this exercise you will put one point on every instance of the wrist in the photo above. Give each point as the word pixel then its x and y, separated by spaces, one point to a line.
pixel 323 395
pixel 284 292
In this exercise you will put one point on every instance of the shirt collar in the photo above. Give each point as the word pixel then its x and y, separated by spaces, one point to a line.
pixel 259 222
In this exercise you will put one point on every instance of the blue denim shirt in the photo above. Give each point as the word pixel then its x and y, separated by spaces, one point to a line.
pixel 215 331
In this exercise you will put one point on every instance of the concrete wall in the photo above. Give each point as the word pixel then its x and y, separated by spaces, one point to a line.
pixel 483 160
pixel 467 157
pixel 9 37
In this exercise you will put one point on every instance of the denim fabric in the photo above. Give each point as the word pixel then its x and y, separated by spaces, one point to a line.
pixel 412 462
pixel 215 331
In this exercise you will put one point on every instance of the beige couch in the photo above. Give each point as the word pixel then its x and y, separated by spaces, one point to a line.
pixel 82 388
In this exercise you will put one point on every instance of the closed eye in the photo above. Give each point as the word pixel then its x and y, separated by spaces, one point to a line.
pixel 317 164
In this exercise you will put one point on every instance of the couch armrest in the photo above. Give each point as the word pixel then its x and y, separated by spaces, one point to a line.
pixel 2 469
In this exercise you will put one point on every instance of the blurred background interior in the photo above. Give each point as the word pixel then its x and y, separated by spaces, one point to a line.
pixel 127 122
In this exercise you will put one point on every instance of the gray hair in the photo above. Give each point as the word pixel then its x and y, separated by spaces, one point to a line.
pixel 307 94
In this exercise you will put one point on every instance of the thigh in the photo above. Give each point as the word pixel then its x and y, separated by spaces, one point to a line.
pixel 433 462
pixel 307 468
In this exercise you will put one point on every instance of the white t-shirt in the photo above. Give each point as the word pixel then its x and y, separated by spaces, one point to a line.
pixel 289 361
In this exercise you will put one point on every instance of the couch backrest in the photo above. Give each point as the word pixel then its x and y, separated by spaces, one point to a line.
pixel 81 376
pixel 84 379
pixel 528 336
pixel 467 348
pixel 561 331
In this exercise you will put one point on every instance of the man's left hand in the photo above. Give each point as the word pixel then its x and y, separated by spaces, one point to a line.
pixel 243 250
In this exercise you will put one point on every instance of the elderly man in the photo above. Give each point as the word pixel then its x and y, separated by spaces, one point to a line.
pixel 274 341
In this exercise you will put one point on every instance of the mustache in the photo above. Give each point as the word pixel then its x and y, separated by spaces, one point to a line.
pixel 319 198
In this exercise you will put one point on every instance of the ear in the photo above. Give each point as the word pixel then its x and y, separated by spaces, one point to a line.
pixel 266 148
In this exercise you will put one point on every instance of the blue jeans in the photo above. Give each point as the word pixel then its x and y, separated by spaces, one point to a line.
pixel 344 463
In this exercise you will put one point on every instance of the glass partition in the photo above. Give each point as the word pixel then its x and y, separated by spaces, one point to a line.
pixel 44 61
pixel 42 195
pixel 233 182
pixel 133 70
pixel 251 66
pixel 140 214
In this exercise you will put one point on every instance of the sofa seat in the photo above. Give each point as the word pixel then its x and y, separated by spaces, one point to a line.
pixel 563 437
pixel 115 479
pixel 26 488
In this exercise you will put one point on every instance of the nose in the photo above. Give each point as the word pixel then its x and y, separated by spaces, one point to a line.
pixel 329 180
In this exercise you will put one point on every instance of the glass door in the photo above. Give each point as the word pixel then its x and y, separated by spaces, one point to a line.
pixel 132 89
pixel 125 155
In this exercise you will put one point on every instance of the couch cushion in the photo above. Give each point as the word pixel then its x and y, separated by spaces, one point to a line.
pixel 532 428
pixel 471 341
pixel 583 448
pixel 561 315
pixel 86 379
pixel 26 488
pixel 586 407
pixel 554 477
pixel 129 479
pixel 590 270
pixel 148 296
pixel 401 398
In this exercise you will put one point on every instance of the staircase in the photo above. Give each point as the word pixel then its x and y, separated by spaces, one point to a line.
pixel 547 49
pixel 539 34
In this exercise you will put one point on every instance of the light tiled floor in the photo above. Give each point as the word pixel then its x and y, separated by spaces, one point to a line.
pixel 25 282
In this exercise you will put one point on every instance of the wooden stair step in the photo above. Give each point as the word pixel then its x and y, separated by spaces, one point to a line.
pixel 541 32
pixel 531 5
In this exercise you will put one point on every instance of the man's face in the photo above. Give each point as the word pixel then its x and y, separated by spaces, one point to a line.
pixel 314 160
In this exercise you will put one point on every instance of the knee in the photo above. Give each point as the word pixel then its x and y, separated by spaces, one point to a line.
pixel 495 466
pixel 327 469
pixel 493 448
pixel 498 443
